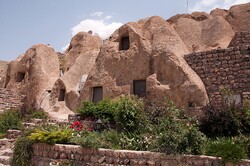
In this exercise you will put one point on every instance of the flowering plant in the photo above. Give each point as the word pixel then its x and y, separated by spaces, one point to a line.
pixel 79 128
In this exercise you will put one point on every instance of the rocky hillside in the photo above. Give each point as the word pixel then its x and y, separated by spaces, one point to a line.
pixel 148 53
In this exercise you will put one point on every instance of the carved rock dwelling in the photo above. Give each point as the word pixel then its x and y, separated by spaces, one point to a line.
pixel 186 58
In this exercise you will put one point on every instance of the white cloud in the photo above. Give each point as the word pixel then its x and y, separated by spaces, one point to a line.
pixel 98 26
pixel 65 47
pixel 208 5
pixel 229 3
pixel 108 17
pixel 98 14
pixel 102 28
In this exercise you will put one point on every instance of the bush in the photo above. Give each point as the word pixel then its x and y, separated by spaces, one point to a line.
pixel 130 116
pixel 243 140
pixel 177 134
pixel 91 140
pixel 35 114
pixel 133 141
pixel 104 110
pixel 10 119
pixel 224 122
pixel 22 152
pixel 50 137
pixel 227 149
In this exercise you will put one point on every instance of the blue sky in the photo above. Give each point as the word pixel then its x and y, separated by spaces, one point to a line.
pixel 24 23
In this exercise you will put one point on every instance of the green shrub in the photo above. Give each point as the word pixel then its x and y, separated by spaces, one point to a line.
pixel 227 149
pixel 130 116
pixel 243 140
pixel 140 142
pixel 91 140
pixel 229 120
pixel 35 114
pixel 217 123
pixel 9 119
pixel 104 110
pixel 52 137
pixel 22 152
pixel 112 137
pixel 106 139
pixel 175 133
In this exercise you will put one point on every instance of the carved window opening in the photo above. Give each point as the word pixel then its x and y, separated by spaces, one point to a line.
pixel 139 88
pixel 97 94
pixel 191 104
pixel 124 43
pixel 61 96
pixel 20 76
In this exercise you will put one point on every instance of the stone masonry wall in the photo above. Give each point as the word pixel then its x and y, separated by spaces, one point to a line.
pixel 240 39
pixel 228 68
pixel 44 155
pixel 8 100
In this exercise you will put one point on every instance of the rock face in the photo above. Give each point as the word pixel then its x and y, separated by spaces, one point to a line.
pixel 3 70
pixel 201 31
pixel 33 73
pixel 78 61
pixel 155 54
pixel 81 43
pixel 145 58
pixel 238 17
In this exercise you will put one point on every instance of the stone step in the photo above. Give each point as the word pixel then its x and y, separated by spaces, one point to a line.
pixel 6 143
pixel 6 152
pixel 5 160
pixel 13 134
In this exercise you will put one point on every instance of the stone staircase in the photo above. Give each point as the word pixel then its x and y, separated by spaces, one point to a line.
pixel 7 144
pixel 6 152
pixel 9 100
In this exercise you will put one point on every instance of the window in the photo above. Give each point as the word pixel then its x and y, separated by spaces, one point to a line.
pixel 191 104
pixel 139 88
pixel 20 76
pixel 124 43
pixel 97 94
pixel 61 95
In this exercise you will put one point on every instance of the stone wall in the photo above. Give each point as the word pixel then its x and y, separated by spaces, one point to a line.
pixel 240 39
pixel 9 100
pixel 44 155
pixel 228 68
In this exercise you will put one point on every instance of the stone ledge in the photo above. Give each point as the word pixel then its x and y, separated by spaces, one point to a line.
pixel 44 154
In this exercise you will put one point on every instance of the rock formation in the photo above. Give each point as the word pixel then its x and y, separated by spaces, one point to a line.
pixel 148 54
pixel 155 55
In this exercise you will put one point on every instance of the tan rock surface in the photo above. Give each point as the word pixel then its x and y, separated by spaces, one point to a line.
pixel 201 31
pixel 81 43
pixel 34 73
pixel 156 52
pixel 238 17
pixel 81 57
pixel 3 70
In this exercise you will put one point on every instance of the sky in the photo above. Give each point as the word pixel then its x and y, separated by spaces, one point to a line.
pixel 24 23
